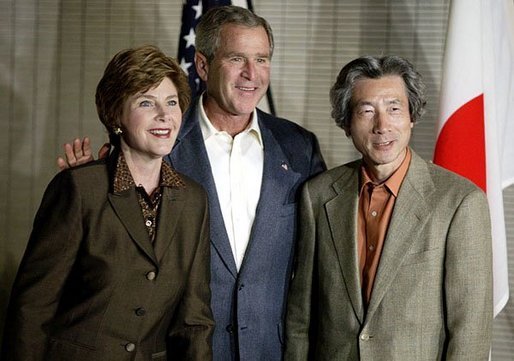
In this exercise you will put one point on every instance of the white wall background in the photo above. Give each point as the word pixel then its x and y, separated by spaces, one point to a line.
pixel 52 54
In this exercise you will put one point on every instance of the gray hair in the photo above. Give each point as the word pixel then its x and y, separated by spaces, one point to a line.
pixel 209 28
pixel 373 68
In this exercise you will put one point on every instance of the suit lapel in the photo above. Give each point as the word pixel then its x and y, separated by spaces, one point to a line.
pixel 124 205
pixel 169 214
pixel 189 157
pixel 342 219
pixel 408 219
pixel 278 181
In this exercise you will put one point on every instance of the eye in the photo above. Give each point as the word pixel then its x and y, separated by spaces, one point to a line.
pixel 172 102
pixel 365 112
pixel 396 109
pixel 262 60
pixel 145 103
pixel 237 59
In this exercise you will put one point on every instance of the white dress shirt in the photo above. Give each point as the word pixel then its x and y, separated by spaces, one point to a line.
pixel 236 165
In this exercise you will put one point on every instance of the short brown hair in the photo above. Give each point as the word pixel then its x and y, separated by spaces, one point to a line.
pixel 132 71
pixel 208 30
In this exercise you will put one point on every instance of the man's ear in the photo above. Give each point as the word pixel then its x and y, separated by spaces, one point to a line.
pixel 202 66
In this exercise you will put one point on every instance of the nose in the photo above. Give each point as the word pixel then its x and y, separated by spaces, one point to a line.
pixel 163 113
pixel 248 70
pixel 381 123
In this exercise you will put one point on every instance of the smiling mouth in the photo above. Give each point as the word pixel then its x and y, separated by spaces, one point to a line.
pixel 380 144
pixel 160 131
pixel 246 89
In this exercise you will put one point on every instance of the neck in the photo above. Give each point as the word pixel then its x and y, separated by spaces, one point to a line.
pixel 233 124
pixel 379 173
pixel 144 172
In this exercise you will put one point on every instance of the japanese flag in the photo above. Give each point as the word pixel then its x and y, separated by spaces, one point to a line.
pixel 476 129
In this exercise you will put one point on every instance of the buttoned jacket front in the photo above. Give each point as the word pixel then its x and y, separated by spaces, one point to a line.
pixel 432 295
pixel 91 285
pixel 249 306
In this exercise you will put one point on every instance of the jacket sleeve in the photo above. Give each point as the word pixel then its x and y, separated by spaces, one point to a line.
pixel 468 281
pixel 48 259
pixel 317 162
pixel 191 331
pixel 298 316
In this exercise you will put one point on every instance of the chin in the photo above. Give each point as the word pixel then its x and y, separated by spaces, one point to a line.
pixel 247 105
pixel 165 153
pixel 162 152
pixel 243 110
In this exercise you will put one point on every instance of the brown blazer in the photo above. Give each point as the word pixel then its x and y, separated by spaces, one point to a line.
pixel 91 286
pixel 432 295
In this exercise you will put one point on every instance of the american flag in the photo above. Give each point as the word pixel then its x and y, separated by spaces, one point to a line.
pixel 191 12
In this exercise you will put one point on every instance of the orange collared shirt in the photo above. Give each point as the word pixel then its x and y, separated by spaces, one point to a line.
pixel 376 203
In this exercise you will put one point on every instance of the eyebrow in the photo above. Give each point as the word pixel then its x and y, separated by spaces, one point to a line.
pixel 360 103
pixel 143 95
pixel 242 55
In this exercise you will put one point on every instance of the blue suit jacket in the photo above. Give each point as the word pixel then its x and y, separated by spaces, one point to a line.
pixel 249 306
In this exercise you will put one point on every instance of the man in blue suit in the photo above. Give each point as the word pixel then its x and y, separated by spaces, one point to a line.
pixel 251 165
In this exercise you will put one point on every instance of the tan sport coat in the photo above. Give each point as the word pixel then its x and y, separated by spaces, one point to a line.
pixel 91 286
pixel 432 296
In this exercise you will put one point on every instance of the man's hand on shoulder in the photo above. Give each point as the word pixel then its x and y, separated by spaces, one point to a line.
pixel 79 152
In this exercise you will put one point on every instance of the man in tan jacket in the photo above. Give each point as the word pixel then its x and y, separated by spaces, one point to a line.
pixel 393 260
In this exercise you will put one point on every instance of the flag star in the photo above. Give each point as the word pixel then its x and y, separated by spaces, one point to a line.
pixel 190 38
pixel 198 9
pixel 184 65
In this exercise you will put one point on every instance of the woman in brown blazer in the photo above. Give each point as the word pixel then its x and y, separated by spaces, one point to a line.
pixel 117 265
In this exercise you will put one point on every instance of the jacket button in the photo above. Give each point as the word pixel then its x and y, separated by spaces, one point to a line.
pixel 151 275
pixel 364 337
pixel 130 347
pixel 229 329
pixel 140 311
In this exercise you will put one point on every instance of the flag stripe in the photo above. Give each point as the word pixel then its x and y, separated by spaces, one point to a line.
pixel 192 10
pixel 476 106
pixel 462 138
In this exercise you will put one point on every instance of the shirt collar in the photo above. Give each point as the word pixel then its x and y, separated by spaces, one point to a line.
pixel 392 183
pixel 123 179
pixel 208 130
